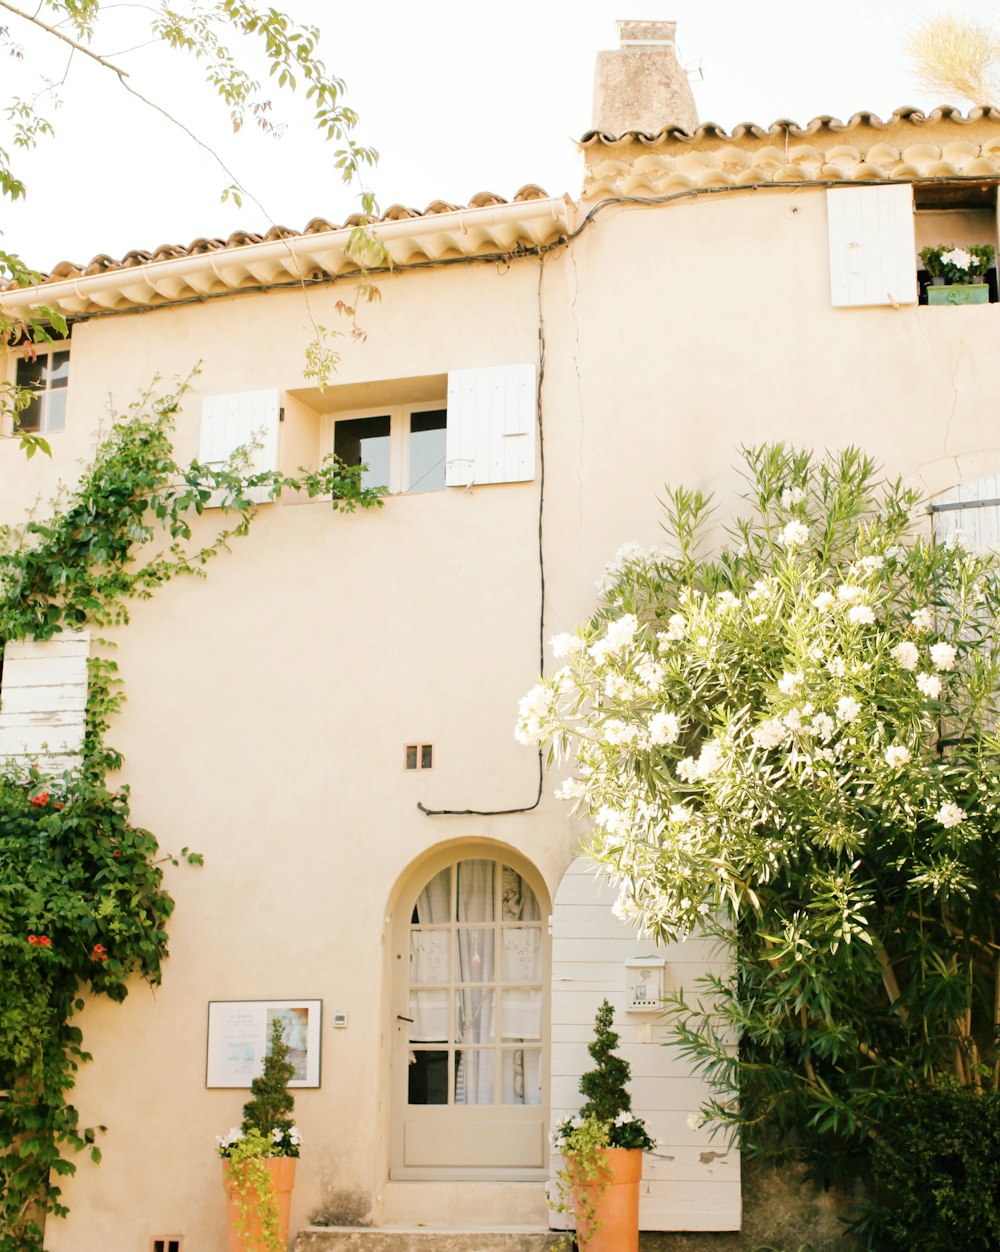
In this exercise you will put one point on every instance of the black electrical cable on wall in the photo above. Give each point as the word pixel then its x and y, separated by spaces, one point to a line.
pixel 541 577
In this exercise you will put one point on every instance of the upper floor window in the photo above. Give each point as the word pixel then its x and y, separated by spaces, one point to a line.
pixel 43 369
pixel 404 448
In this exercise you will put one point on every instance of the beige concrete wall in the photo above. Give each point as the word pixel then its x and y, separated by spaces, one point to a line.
pixel 268 705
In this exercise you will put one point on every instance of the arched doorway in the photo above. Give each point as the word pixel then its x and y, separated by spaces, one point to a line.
pixel 470 1011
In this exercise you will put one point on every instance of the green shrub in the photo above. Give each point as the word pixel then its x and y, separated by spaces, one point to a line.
pixel 937 1175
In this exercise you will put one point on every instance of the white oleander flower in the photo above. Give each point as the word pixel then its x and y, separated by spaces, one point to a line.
pixel 694 1121
pixel 792 495
pixel 571 789
pixel 950 815
pixel 847 593
pixel 566 645
pixel 861 614
pixel 872 563
pixel 769 733
pixel 675 626
pixel 847 709
pixel 929 685
pixel 823 600
pixel 897 755
pixel 680 813
pixel 788 682
pixel 794 535
pixel 664 728
pixel 922 619
pixel 943 656
pixel 534 710
pixel 837 666
pixel 619 733
pixel 906 655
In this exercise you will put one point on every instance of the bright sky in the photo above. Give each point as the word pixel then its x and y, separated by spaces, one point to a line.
pixel 458 98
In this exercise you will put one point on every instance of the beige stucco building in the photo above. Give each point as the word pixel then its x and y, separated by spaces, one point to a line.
pixel 532 375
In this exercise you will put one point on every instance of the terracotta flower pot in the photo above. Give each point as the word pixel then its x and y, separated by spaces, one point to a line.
pixel 607 1209
pixel 251 1237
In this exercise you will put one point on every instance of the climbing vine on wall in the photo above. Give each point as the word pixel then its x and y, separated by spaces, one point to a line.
pixel 83 909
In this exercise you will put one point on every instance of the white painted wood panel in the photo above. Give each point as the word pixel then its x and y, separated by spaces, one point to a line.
pixel 979 527
pixel 691 1182
pixel 43 699
pixel 239 420
pixel 491 425
pixel 873 250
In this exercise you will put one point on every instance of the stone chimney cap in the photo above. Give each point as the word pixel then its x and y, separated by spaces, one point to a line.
pixel 657 34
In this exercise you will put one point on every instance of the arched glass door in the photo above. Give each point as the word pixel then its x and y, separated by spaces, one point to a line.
pixel 470 1054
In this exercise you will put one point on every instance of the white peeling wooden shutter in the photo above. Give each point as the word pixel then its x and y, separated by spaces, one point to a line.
pixel 230 422
pixel 873 250
pixel 692 1182
pixel 491 425
pixel 971 510
pixel 43 699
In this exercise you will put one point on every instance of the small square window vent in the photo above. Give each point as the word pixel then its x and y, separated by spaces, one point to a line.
pixel 166 1243
pixel 419 756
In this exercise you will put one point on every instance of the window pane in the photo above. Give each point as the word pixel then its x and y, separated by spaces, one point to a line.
pixel 433 905
pixel 54 405
pixel 428 1078
pixel 474 1077
pixel 427 451
pixel 57 369
pixel 474 1016
pixel 519 902
pixel 521 1076
pixel 521 1014
pixel 365 441
pixel 522 954
pixel 31 417
pixel 475 891
pixel 30 373
pixel 430 956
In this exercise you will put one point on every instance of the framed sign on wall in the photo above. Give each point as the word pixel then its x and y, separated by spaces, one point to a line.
pixel 239 1033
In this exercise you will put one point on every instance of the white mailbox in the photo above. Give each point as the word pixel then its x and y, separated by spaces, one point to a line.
pixel 644 984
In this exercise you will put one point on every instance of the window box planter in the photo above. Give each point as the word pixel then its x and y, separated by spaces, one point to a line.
pixel 958 293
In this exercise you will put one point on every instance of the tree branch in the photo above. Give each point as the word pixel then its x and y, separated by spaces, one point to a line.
pixel 73 43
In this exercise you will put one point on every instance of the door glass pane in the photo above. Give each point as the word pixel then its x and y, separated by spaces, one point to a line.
pixel 429 1011
pixel 518 900
pixel 427 451
pixel 365 441
pixel 521 1013
pixel 474 1076
pixel 475 891
pixel 476 960
pixel 521 1076
pixel 428 1077
pixel 433 906
pixel 430 956
pixel 475 1015
pixel 521 954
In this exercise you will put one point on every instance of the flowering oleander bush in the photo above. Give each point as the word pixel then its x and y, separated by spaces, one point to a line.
pixel 791 747
pixel 958 265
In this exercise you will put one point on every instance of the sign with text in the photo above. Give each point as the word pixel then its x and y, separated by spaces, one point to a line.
pixel 239 1037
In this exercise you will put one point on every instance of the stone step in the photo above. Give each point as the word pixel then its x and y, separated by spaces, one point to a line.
pixel 427 1239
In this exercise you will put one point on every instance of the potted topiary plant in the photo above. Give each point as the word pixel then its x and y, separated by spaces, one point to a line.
pixel 602 1148
pixel 956 273
pixel 259 1158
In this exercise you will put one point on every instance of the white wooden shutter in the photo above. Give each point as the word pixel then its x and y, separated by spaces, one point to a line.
pixel 43 699
pixel 230 422
pixel 693 1182
pixel 978 523
pixel 873 250
pixel 491 425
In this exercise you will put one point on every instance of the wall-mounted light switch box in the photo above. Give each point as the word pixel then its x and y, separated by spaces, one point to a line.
pixel 339 1019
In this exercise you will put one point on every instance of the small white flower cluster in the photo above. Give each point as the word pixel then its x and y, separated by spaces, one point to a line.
pixel 897 755
pixel 294 1136
pixel 618 635
pixel 708 762
pixel 929 685
pixel 950 815
pixel 233 1137
pixel 792 496
pixel 769 733
pixel 566 645
pixel 664 728
pixel 535 712
pixel 958 257
pixel 794 535
pixel 632 556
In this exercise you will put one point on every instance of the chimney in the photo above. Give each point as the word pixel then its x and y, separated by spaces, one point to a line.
pixel 641 86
